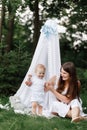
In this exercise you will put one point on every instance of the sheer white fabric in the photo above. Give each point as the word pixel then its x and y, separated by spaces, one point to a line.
pixel 47 53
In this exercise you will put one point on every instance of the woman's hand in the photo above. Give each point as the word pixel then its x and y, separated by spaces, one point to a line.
pixel 48 86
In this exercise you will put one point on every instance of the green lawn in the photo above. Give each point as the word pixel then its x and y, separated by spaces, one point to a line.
pixel 11 121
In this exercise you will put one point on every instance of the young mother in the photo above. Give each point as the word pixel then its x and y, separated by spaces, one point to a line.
pixel 68 103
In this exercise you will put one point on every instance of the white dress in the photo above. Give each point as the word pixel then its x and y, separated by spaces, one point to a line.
pixel 62 108
pixel 37 90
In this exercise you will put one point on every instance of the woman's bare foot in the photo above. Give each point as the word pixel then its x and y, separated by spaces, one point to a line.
pixel 79 118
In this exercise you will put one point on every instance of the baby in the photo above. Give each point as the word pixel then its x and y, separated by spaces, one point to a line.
pixel 37 83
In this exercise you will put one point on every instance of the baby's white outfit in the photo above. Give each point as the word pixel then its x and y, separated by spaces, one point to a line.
pixel 37 90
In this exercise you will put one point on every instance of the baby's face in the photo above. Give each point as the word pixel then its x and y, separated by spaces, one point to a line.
pixel 40 72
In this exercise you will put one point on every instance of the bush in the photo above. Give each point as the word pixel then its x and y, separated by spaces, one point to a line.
pixel 82 75
pixel 13 67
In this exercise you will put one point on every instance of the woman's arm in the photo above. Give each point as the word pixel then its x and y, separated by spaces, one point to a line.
pixel 59 96
pixel 50 82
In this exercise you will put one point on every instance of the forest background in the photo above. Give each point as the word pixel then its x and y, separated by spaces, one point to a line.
pixel 19 34
pixel 20 24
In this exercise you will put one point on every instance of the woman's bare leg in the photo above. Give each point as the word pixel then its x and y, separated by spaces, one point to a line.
pixel 75 112
pixel 69 114
pixel 76 115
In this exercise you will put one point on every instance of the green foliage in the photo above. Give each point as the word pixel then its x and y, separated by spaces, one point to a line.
pixel 82 76
pixel 13 67
pixel 75 54
pixel 80 55
pixel 22 36
pixel 16 62
pixel 13 4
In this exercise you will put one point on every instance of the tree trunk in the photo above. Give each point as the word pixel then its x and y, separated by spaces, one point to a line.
pixel 0 24
pixel 9 40
pixel 36 24
pixel 2 18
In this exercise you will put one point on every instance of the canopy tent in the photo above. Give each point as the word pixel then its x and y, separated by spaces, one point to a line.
pixel 47 53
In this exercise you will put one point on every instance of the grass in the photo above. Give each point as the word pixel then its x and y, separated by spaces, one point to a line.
pixel 11 121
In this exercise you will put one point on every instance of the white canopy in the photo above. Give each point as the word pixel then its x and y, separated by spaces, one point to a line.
pixel 48 53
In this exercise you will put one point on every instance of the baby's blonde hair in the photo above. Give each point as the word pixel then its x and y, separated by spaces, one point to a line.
pixel 40 66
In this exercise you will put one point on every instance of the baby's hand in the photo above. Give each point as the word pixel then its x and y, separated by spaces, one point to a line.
pixel 28 83
pixel 29 77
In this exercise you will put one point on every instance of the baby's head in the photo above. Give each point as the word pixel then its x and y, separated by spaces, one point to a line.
pixel 40 71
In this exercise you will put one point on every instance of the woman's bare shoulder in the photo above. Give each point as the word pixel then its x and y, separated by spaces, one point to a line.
pixel 79 84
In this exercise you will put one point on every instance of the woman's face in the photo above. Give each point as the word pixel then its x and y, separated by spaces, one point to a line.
pixel 65 75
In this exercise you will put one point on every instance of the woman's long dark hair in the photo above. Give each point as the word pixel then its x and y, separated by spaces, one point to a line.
pixel 73 89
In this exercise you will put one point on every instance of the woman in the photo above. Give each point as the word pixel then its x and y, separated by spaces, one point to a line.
pixel 68 103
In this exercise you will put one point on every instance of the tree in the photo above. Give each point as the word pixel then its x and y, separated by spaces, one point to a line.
pixel 9 8
pixel 76 33
pixel 42 10
pixel 2 17
pixel 36 23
